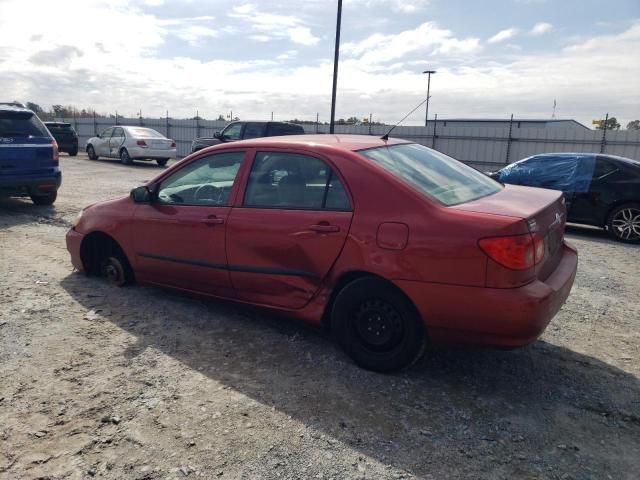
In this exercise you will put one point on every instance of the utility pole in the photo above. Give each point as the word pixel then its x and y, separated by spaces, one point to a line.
pixel 335 69
pixel 426 115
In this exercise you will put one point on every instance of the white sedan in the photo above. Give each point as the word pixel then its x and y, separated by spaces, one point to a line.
pixel 132 143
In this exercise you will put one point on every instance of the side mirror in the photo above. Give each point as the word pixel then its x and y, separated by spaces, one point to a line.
pixel 217 135
pixel 99 135
pixel 141 194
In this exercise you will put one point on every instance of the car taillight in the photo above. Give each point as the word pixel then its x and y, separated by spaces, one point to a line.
pixel 517 252
pixel 141 143
pixel 56 152
pixel 173 144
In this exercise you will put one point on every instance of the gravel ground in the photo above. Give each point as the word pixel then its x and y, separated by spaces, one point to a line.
pixel 142 383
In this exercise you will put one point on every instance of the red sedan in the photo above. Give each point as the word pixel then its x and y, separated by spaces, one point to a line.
pixel 389 243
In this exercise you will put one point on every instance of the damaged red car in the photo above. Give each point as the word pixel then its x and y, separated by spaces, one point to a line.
pixel 392 245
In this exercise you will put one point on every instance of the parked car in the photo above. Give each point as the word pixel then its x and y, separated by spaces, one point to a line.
pixel 600 190
pixel 246 130
pixel 65 135
pixel 387 242
pixel 29 163
pixel 132 143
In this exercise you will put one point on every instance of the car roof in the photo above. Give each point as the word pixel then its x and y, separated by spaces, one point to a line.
pixel 63 124
pixel 13 108
pixel 338 142
pixel 587 155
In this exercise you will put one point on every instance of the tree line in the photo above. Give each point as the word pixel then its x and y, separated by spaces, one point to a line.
pixel 68 111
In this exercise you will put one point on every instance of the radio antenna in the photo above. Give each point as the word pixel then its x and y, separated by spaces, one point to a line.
pixel 385 137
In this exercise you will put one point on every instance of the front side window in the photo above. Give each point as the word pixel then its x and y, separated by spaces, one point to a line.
pixel 107 133
pixel 293 181
pixel 232 132
pixel 207 181
pixel 434 174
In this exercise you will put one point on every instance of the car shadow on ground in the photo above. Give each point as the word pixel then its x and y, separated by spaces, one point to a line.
pixel 522 409
pixel 18 211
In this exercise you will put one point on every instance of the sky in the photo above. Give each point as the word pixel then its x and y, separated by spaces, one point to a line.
pixel 492 57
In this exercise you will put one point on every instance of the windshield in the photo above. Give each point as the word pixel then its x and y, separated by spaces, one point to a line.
pixel 144 132
pixel 435 174
pixel 21 124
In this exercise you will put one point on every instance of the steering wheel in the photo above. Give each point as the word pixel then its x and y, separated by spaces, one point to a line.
pixel 209 193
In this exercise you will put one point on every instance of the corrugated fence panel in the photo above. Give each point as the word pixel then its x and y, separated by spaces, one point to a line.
pixel 483 147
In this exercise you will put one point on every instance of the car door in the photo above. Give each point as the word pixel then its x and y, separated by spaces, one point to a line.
pixel 116 141
pixel 179 238
pixel 593 203
pixel 289 229
pixel 101 146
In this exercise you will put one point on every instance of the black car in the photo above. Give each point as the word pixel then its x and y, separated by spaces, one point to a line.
pixel 65 135
pixel 600 190
pixel 244 130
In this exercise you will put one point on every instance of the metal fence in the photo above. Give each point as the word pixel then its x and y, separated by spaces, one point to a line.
pixel 482 147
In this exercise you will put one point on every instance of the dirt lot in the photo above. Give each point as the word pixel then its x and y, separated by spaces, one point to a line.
pixel 142 383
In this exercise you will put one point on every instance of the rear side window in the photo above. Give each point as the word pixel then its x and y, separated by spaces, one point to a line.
pixel 293 181
pixel 21 124
pixel 603 168
pixel 276 129
pixel 435 174
pixel 253 130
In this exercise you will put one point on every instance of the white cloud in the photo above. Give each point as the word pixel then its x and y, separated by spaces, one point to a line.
pixel 398 6
pixel 541 28
pixel 270 26
pixel 428 38
pixel 503 35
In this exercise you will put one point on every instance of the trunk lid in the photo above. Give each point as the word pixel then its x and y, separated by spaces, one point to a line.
pixel 542 211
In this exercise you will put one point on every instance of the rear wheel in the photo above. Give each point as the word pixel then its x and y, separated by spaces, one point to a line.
pixel 73 152
pixel 162 161
pixel 91 153
pixel 624 223
pixel 377 326
pixel 47 199
pixel 124 157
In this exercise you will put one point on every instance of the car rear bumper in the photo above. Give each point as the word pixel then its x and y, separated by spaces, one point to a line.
pixel 25 185
pixel 492 316
pixel 68 145
pixel 74 241
pixel 153 153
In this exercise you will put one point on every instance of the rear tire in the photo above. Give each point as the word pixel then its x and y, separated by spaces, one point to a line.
pixel 162 162
pixel 44 199
pixel 624 223
pixel 377 325
pixel 124 157
pixel 91 153
pixel 73 152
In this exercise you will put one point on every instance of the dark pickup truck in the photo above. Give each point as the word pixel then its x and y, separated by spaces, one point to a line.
pixel 244 130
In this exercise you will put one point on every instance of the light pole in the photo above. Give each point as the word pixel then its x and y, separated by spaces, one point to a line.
pixel 426 115
pixel 335 69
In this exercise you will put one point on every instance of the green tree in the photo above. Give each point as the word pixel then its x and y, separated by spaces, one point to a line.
pixel 634 125
pixel 612 124
pixel 35 108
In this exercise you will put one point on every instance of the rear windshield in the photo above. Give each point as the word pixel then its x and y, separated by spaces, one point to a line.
pixel 144 132
pixel 21 124
pixel 435 174
pixel 59 127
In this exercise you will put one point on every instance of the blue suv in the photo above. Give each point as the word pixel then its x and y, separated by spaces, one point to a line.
pixel 29 162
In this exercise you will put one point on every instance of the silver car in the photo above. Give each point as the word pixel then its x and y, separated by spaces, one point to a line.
pixel 132 143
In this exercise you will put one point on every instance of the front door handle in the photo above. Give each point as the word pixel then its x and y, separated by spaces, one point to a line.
pixel 213 220
pixel 324 228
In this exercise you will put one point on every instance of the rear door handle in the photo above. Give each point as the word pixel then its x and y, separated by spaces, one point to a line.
pixel 213 220
pixel 324 228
